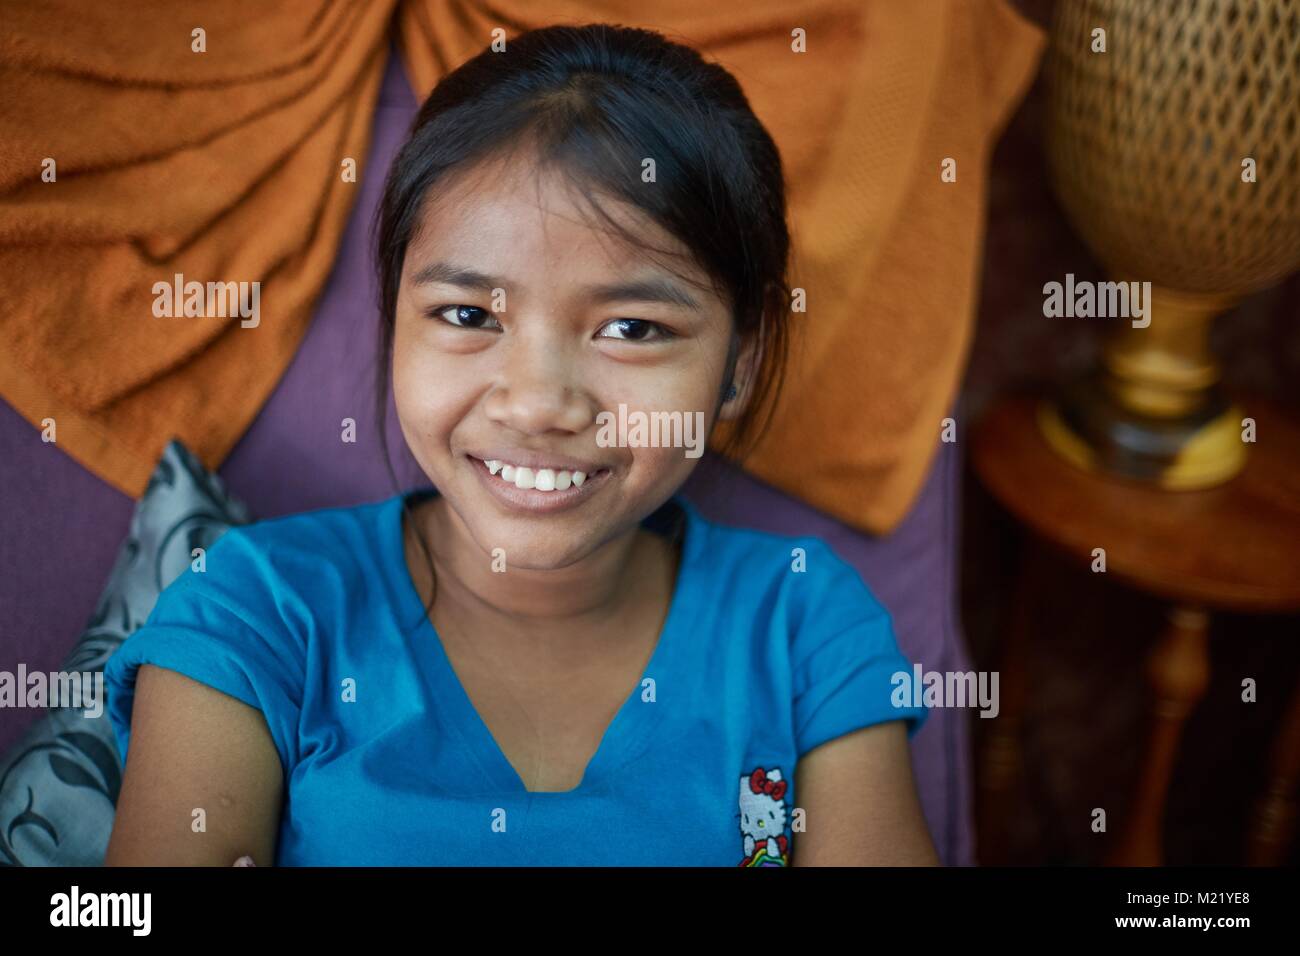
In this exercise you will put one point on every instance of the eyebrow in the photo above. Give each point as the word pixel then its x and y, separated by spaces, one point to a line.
pixel 446 274
pixel 649 289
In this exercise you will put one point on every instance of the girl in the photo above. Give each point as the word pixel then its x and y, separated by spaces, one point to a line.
pixel 553 658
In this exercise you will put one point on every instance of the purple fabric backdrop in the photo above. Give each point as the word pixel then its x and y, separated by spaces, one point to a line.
pixel 63 525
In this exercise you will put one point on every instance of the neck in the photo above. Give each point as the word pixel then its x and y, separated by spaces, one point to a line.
pixel 595 589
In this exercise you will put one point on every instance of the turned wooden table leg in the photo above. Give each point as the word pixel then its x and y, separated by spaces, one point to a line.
pixel 1274 824
pixel 1001 760
pixel 1179 672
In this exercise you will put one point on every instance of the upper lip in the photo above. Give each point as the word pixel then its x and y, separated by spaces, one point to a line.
pixel 539 459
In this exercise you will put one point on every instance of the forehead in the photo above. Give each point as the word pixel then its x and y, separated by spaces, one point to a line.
pixel 513 216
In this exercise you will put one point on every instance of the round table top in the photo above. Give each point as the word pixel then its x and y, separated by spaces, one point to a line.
pixel 1234 547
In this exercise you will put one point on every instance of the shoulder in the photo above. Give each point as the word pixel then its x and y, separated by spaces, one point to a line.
pixel 276 574
pixel 811 618
pixel 243 616
pixel 248 616
pixel 806 614
pixel 338 543
pixel 331 528
pixel 798 576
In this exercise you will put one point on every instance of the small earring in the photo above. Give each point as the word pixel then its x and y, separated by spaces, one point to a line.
pixel 731 392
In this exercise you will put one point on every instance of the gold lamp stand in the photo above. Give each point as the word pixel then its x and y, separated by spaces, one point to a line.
pixel 1172 138
pixel 1153 411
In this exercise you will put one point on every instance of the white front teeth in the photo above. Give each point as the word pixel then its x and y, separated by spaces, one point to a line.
pixel 543 479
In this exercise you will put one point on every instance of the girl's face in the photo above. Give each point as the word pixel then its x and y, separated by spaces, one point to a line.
pixel 519 320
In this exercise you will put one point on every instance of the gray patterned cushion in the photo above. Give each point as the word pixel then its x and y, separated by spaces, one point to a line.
pixel 59 784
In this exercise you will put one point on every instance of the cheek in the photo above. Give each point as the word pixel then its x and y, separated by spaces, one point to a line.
pixel 685 383
pixel 426 391
pixel 661 470
pixel 686 389
pixel 406 373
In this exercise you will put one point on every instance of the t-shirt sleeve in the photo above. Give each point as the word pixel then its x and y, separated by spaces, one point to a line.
pixel 845 658
pixel 222 627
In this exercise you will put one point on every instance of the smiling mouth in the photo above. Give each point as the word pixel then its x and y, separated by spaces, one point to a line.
pixel 535 487
pixel 541 479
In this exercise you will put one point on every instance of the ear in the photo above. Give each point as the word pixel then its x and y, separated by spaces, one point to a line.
pixel 743 375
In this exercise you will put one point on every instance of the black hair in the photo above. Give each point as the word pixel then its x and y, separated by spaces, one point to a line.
pixel 594 101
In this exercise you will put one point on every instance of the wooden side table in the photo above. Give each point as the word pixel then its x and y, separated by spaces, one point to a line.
pixel 1235 547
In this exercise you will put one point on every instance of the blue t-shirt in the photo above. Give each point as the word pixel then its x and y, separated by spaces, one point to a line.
pixel 767 651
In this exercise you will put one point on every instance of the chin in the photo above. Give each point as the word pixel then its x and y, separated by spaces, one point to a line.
pixel 535 544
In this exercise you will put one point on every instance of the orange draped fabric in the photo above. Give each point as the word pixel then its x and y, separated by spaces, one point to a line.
pixel 226 165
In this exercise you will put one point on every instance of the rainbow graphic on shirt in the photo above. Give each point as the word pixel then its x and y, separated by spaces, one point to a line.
pixel 762 818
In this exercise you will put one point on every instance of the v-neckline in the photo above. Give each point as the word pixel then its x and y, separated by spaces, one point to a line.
pixel 625 735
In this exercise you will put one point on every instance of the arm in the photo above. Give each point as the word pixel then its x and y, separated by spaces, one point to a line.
pixel 195 747
pixel 860 802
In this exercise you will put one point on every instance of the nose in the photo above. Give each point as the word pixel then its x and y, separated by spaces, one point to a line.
pixel 538 391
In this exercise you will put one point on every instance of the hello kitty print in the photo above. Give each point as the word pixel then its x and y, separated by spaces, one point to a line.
pixel 762 818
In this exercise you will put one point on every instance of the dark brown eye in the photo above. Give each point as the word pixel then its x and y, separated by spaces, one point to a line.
pixel 634 330
pixel 465 316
